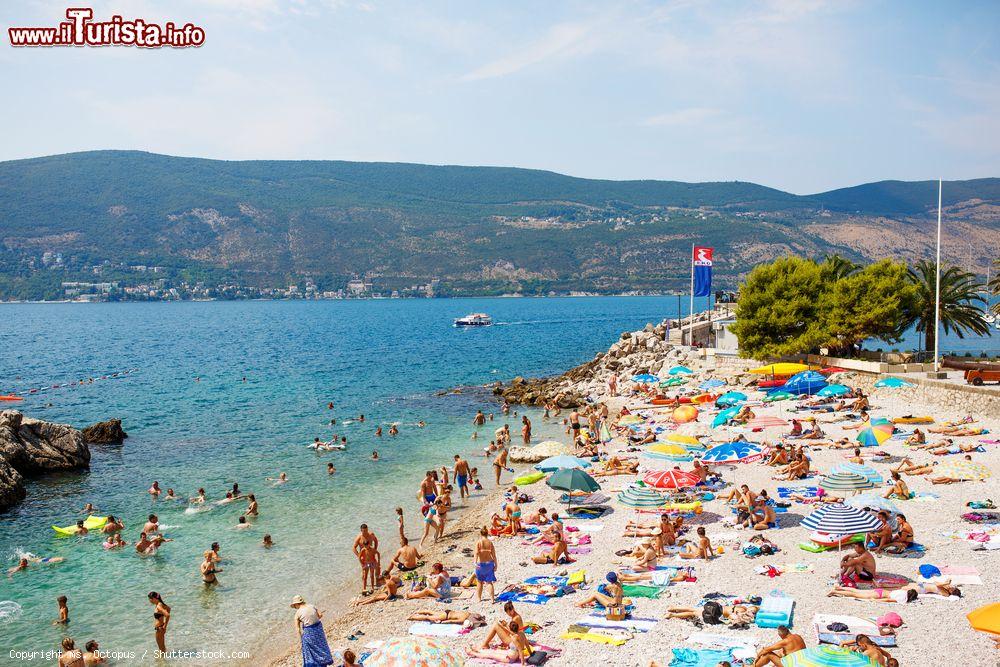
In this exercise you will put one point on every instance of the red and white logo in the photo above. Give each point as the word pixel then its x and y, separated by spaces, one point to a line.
pixel 702 256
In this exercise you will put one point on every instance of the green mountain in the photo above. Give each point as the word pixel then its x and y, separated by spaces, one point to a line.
pixel 475 230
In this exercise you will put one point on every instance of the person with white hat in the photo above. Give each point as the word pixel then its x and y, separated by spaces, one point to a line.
pixel 308 623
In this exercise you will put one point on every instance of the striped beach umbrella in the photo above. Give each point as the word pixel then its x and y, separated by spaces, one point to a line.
pixel 872 501
pixel 963 470
pixel 645 378
pixel 825 655
pixel 724 416
pixel 839 483
pixel 841 519
pixel 670 479
pixel 680 370
pixel 860 469
pixel 875 434
pixel 739 451
pixel 640 496
pixel 730 398
pixel 834 390
pixel 414 652
pixel 766 421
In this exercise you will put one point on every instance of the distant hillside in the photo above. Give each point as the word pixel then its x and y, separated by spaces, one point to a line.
pixel 476 230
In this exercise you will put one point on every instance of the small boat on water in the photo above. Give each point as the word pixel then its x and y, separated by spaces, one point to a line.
pixel 474 320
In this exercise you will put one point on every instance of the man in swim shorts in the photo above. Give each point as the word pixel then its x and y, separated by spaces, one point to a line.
pixel 405 559
pixel 860 564
pixel 462 476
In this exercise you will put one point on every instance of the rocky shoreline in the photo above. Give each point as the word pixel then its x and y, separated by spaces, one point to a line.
pixel 635 352
pixel 33 447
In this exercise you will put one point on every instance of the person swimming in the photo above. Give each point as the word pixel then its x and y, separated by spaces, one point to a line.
pixel 375 455
pixel 282 478
pixel 154 490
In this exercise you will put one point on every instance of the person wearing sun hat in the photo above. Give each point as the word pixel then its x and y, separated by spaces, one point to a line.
pixel 308 623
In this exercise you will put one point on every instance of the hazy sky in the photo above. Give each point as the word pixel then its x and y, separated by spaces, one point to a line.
pixel 804 96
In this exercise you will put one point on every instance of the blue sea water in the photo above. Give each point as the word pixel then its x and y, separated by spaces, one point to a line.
pixel 193 422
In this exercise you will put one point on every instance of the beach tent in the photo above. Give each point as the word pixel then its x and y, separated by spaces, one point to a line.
pixel 865 471
pixel 645 378
pixel 711 383
pixel 838 483
pixel 780 369
pixel 561 461
pixel 872 501
pixel 680 370
pixel 825 655
pixel 414 652
pixel 724 416
pixel 834 390
pixel 730 398
pixel 739 451
pixel 840 519
pixel 893 383
pixel 670 479
pixel 986 619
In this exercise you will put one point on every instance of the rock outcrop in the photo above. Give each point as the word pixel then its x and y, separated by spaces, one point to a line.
pixel 30 447
pixel 108 432
pixel 635 352
pixel 539 452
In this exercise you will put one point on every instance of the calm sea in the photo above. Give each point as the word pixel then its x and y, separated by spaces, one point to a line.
pixel 385 359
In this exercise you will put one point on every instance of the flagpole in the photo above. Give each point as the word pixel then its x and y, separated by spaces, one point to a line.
pixel 937 289
pixel 691 311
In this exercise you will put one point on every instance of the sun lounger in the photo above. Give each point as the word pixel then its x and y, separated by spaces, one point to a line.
pixel 775 611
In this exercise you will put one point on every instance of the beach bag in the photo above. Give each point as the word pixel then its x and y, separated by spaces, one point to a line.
pixel 892 620
pixel 537 658
pixel 751 550
pixel 838 627
pixel 711 613
pixel 616 612
pixel 981 504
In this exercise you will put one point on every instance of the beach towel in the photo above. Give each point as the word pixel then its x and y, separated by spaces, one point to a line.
pixel 915 550
pixel 711 639
pixel 577 578
pixel 642 591
pixel 889 581
pixel 428 629
pixel 594 637
pixel 315 649
pixel 634 624
pixel 787 491
pixel 590 527
pixel 544 580
pixel 518 596
pixel 961 575
pixel 855 626
pixel 700 657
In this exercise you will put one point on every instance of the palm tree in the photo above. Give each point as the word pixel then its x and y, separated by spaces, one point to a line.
pixel 839 266
pixel 993 288
pixel 959 296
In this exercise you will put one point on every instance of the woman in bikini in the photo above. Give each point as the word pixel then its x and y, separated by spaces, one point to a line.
pixel 559 554
pixel 518 648
pixel 899 489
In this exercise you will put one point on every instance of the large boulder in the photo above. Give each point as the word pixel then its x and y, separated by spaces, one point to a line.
pixel 108 432
pixel 539 452
pixel 30 447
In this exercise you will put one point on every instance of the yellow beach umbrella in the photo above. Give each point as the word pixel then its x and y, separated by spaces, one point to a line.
pixel 784 368
pixel 679 439
pixel 673 450
pixel 986 619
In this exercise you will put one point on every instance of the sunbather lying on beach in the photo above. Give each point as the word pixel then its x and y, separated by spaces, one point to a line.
pixel 962 448
pixel 736 614
pixel 658 577
pixel 390 586
pixel 617 466
pixel 908 467
pixel 614 589
pixel 467 619
pixel 957 430
pixel 904 594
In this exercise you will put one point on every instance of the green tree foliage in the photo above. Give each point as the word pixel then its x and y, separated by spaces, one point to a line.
pixel 960 302
pixel 795 305
pixel 993 288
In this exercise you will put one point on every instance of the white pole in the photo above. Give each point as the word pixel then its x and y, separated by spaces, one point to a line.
pixel 691 311
pixel 937 290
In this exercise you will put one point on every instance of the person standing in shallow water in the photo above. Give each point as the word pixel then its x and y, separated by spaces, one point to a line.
pixel 309 625
pixel 526 429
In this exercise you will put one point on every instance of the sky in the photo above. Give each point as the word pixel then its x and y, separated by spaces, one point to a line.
pixel 801 95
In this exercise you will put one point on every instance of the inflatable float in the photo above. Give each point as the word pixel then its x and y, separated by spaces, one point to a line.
pixel 530 478
pixel 90 523
pixel 771 384
pixel 833 540
pixel 10 397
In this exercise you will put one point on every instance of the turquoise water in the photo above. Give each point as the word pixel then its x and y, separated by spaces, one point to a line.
pixel 385 359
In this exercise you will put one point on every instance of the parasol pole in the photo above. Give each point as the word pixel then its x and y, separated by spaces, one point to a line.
pixel 937 289
pixel 691 310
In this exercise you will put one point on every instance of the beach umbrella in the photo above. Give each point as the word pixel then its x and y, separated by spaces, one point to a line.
pixel 561 461
pixel 836 483
pixel 686 440
pixel 825 655
pixel 724 416
pixel 780 369
pixel 670 479
pixel 834 390
pixel 645 378
pixel 739 451
pixel 631 419
pixel 730 398
pixel 670 451
pixel 893 383
pixel 572 479
pixel 963 470
pixel 986 619
pixel 841 519
pixel 414 652
pixel 680 370
pixel 702 398
pixel 766 421
pixel 712 383
pixel 684 414
pixel 866 471
pixel 872 501
pixel 673 381
pixel 806 382
pixel 875 434
pixel 640 496
pixel 778 396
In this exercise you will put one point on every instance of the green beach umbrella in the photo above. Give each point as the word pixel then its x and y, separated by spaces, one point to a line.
pixel 572 479
pixel 844 481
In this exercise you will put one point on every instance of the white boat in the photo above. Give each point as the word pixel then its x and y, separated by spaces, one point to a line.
pixel 474 320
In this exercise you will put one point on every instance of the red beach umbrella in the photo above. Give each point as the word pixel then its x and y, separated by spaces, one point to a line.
pixel 670 479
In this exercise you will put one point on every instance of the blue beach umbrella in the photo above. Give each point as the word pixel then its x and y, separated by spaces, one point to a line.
pixel 840 519
pixel 739 451
pixel 711 383
pixel 680 370
pixel 834 390
pixel 724 416
pixel 806 382
pixel 561 461
pixel 645 378
pixel 865 471
pixel 893 383
pixel 730 398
